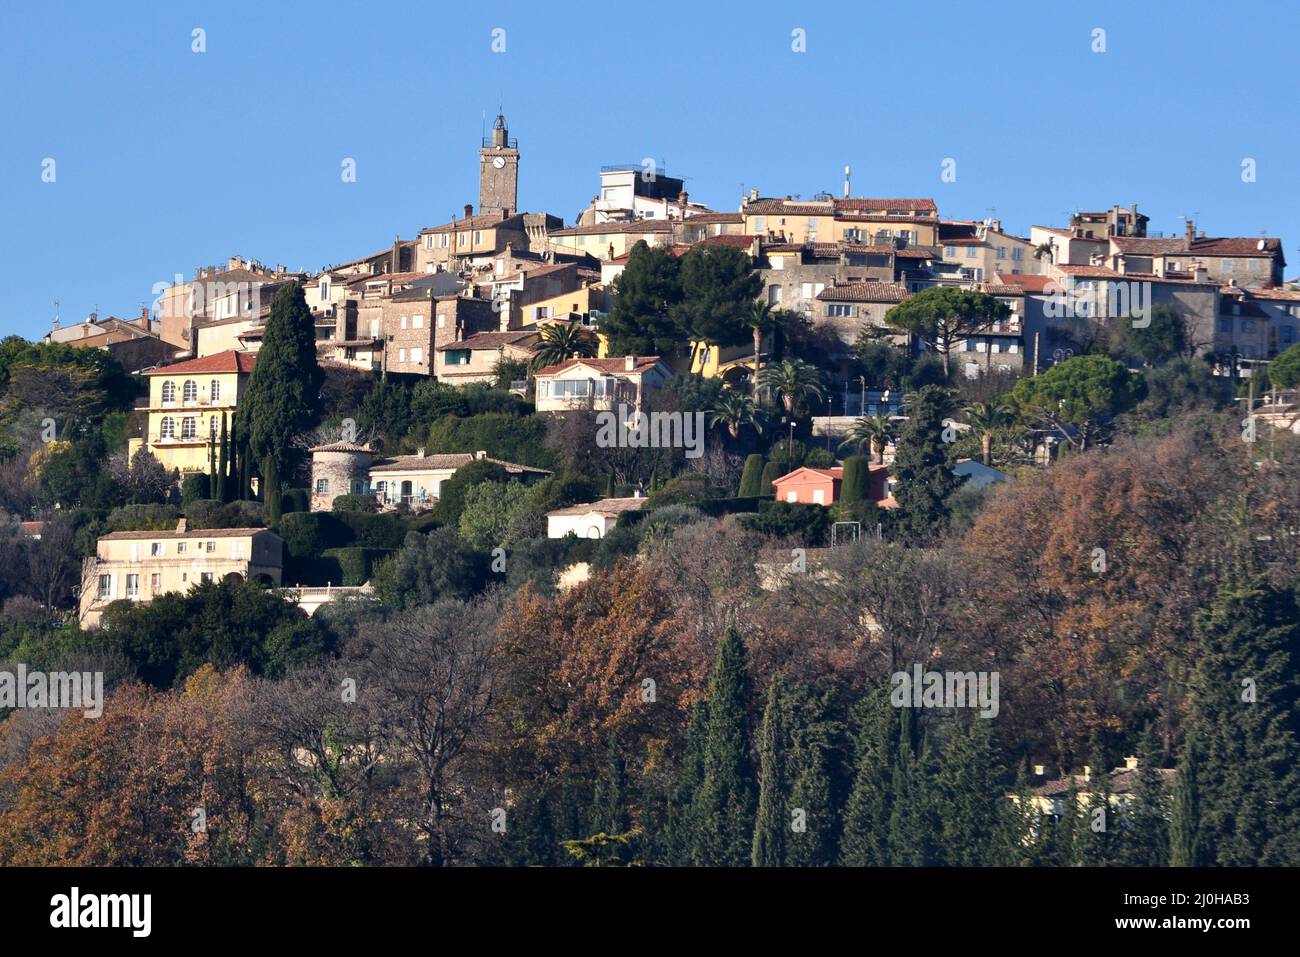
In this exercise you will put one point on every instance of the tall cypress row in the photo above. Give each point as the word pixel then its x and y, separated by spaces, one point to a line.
pixel 1185 827
pixel 771 823
pixel 975 817
pixel 1245 711
pixel 220 492
pixel 681 821
pixel 865 841
pixel 810 815
pixel 723 809
pixel 1145 833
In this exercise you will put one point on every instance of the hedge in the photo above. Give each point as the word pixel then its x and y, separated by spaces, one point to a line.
pixel 355 564
pixel 194 487
pixel 355 503
pixel 751 480
pixel 294 500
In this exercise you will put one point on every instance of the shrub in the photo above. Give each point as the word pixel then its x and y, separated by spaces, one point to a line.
pixel 194 487
pixel 309 534
pixel 451 499
pixel 367 530
pixel 513 438
pixel 355 564
pixel 819 459
pixel 782 519
pixel 295 500
pixel 751 480
pixel 686 489
pixel 771 472
pixel 133 518
pixel 355 503
pixel 207 513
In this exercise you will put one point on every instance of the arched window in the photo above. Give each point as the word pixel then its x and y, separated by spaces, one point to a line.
pixel 169 391
pixel 187 427
pixel 167 427
pixel 214 390
pixel 189 391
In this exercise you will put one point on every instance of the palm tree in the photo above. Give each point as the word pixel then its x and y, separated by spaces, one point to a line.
pixel 872 431
pixel 986 418
pixel 560 341
pixel 735 411
pixel 792 380
pixel 761 319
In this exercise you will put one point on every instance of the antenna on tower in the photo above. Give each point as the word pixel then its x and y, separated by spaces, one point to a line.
pixel 848 173
pixel 56 314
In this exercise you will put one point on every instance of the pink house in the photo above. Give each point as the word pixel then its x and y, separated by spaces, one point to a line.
pixel 811 486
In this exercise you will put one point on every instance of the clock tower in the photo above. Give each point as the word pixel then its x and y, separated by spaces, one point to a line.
pixel 498 173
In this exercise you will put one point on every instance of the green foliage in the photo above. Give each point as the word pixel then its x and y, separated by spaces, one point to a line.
pixel 855 485
pixel 490 512
pixel 647 295
pixel 771 471
pixel 282 399
pixel 808 523
pixel 686 489
pixel 1162 340
pixel 429 567
pixel 511 438
pixel 355 564
pixel 751 479
pixel 355 503
pixel 921 466
pixel 1079 396
pixel 717 285
pixel 225 623
pixel 295 500
pixel 451 497
pixel 195 487
pixel 943 314
pixel 1284 371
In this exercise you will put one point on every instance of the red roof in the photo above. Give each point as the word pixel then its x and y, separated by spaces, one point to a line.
pixel 865 292
pixel 608 366
pixel 232 360
pixel 1026 282
pixel 1089 272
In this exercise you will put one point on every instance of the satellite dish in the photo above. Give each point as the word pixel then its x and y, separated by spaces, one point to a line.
pixel 1262 244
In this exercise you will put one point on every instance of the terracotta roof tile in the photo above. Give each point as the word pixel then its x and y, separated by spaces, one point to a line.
pixel 232 360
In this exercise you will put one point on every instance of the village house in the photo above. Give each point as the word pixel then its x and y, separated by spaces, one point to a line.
pixel 475 358
pixel 140 566
pixel 853 308
pixel 878 222
pixel 599 384
pixel 981 249
pixel 187 401
pixel 821 486
pixel 593 520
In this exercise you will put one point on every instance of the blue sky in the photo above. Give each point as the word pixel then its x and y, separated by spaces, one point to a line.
pixel 167 159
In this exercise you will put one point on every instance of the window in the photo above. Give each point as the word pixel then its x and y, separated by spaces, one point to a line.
pixel 374 328
pixel 155 583
pixel 457 357
pixel 949 252
pixel 442 321
pixel 167 428
pixel 205 576
pixel 211 546
pixel 478 237
pixel 570 388
pixel 1225 327
pixel 214 390
pixel 461 238
pixel 187 427
pixel 324 290
pixel 169 391
pixel 237 551
pixel 180 547
pixel 819 496
pixel 444 240
pixel 212 426
pixel 840 309
pixel 1288 334
pixel 1002 252
pixel 322 486
pixel 760 224
pixel 417 354
pixel 774 294
pixel 401 355
pixel 417 322
pixel 156 549
pixel 1017 254
pixel 105 586
pixel 792 496
pixel 1248 325
pixel 972 252
pixel 132 586
pixel 190 391
pixel 403 322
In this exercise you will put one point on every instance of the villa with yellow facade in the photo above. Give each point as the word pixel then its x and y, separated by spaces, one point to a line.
pixel 186 402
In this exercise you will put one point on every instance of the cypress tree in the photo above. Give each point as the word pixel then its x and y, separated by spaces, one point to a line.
pixel 1246 699
pixel 681 821
pixel 976 819
pixel 245 473
pixel 771 471
pixel 1144 834
pixel 911 819
pixel 1097 834
pixel 811 746
pixel 751 479
pixel 925 479
pixel 610 803
pixel 1185 827
pixel 220 493
pixel 866 814
pixel 724 804
pixel 770 821
pixel 283 396
pixel 212 468
pixel 855 485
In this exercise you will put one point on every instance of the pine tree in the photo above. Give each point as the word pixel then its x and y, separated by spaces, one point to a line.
pixel 283 396
pixel 911 819
pixel 681 820
pixel 812 738
pixel 1245 707
pixel 865 842
pixel 1185 828
pixel 770 822
pixel 925 478
pixel 1099 827
pixel 724 804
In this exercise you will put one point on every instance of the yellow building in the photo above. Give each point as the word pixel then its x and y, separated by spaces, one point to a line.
pixel 186 402
pixel 140 566
pixel 914 222
pixel 587 298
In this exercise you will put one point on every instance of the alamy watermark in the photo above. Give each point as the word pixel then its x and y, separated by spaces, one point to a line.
pixel 633 429
pixel 1103 298
pixel 946 689
pixel 56 689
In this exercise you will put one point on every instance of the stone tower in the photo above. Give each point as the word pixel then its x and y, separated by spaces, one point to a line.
pixel 498 173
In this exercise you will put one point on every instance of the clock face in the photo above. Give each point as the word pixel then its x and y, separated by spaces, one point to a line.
pixel 499 162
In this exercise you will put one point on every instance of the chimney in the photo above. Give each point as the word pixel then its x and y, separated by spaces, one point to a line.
pixel 1131 762
pixel 182 526
pixel 469 210
pixel 144 316
pixel 420 452
pixel 629 363
pixel 1191 229
pixel 1040 771
pixel 480 455
pixel 753 195
pixel 683 198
